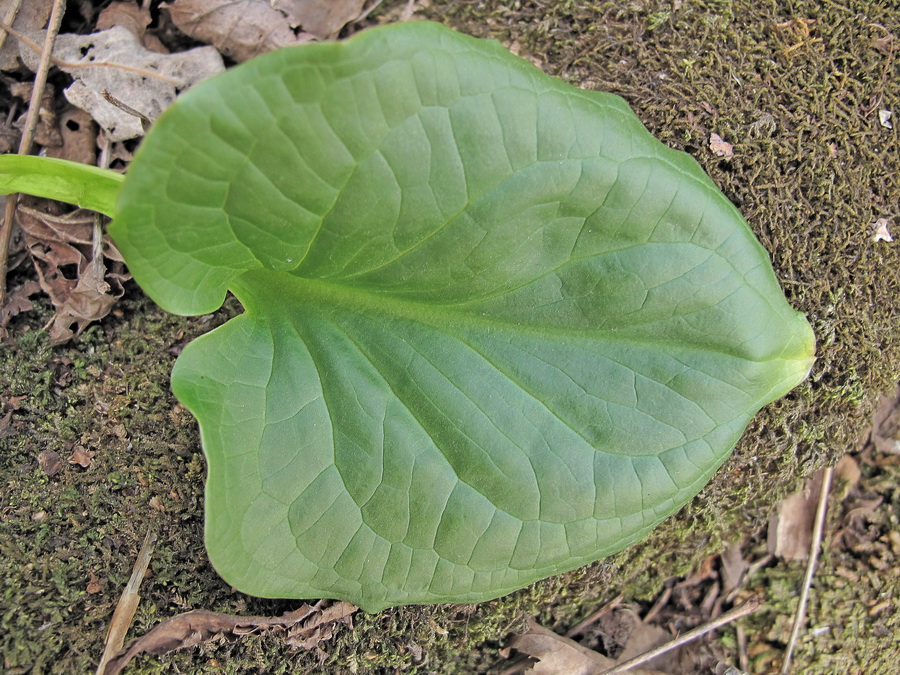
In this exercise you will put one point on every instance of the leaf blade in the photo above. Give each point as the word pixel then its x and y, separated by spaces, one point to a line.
pixel 494 330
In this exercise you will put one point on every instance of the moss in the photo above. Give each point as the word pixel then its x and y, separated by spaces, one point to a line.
pixel 794 86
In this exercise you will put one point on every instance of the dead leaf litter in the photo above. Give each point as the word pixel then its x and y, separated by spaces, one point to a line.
pixel 720 147
pixel 82 457
pixel 240 29
pixel 135 19
pixel 50 461
pixel 82 275
pixel 114 60
pixel 306 627
pixel 24 16
pixel 881 231
pixel 322 18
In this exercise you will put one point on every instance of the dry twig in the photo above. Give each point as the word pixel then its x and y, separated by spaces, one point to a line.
pixel 146 122
pixel 31 119
pixel 743 660
pixel 59 63
pixel 596 616
pixel 814 547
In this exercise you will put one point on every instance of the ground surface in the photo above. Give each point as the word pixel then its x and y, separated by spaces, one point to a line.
pixel 796 87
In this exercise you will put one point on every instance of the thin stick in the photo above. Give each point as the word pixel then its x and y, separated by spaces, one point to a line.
pixel 127 605
pixel 596 616
pixel 59 63
pixel 31 120
pixel 146 122
pixel 736 613
pixel 818 527
pixel 661 602
pixel 743 661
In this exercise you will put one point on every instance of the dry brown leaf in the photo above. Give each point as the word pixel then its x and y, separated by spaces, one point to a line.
pixel 17 301
pixel 145 80
pixel 558 655
pixel 79 137
pixel 82 457
pixel 720 147
pixel 89 301
pixel 15 402
pixel 192 628
pixel 734 567
pixel 846 475
pixel 10 137
pixel 31 15
pixel 791 526
pixel 50 462
pixel 322 18
pixel 46 133
pixel 94 585
pixel 240 29
pixel 74 227
pixel 644 637
pixel 135 19
pixel 884 433
pixel 319 627
pixel 855 532
pixel 60 244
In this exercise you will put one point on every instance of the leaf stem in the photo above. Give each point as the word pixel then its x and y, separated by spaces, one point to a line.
pixel 89 187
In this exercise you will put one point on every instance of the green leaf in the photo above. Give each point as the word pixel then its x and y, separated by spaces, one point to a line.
pixel 79 184
pixel 494 330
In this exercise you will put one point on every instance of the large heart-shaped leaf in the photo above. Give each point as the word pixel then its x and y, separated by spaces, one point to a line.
pixel 494 330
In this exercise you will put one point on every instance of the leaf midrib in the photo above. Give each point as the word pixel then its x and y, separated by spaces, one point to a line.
pixel 258 290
